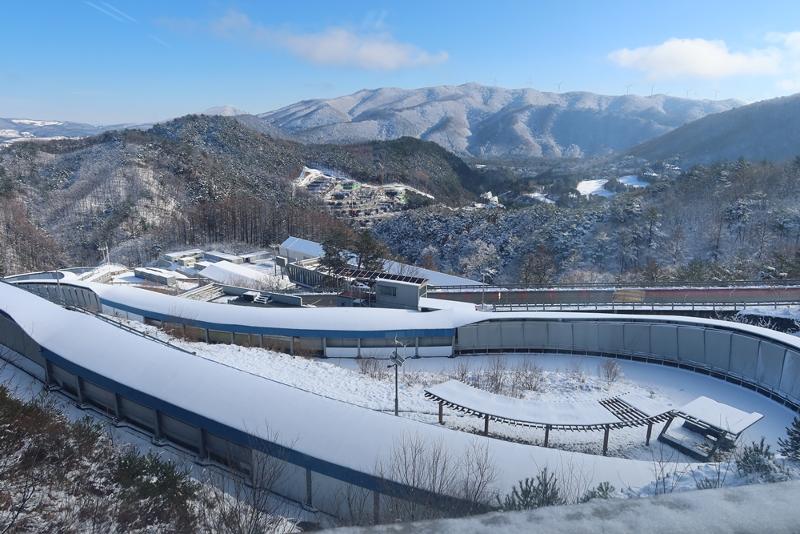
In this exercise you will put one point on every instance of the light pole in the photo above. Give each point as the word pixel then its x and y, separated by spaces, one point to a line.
pixel 397 361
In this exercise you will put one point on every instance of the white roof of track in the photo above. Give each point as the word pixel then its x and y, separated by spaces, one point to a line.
pixel 721 415
pixel 331 430
pixel 303 246
pixel 447 317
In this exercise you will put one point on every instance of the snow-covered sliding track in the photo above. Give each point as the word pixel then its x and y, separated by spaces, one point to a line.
pixel 329 448
pixel 759 359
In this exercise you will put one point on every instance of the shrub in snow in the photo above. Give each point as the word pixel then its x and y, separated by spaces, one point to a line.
pixel 526 376
pixel 371 367
pixel 610 370
pixel 790 447
pixel 148 478
pixel 758 461
pixel 604 490
pixel 534 493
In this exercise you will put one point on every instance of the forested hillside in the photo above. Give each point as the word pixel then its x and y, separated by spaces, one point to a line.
pixel 766 130
pixel 192 180
pixel 736 220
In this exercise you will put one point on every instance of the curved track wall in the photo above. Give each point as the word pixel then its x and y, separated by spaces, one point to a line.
pixel 756 358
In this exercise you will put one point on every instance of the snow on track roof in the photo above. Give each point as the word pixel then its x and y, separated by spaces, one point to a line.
pixel 226 272
pixel 323 428
pixel 435 278
pixel 720 415
pixel 367 320
pixel 523 410
pixel 304 246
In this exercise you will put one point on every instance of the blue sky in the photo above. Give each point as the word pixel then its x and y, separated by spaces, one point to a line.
pixel 118 61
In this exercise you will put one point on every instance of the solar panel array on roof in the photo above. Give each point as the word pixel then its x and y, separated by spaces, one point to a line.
pixel 363 274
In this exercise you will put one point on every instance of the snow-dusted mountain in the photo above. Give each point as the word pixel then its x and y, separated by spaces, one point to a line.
pixel 225 111
pixel 481 121
pixel 22 129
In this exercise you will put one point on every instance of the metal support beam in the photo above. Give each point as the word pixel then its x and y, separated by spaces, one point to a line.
pixel 157 425
pixel 117 406
pixel 605 439
pixel 376 507
pixel 546 435
pixel 308 487
pixel 486 425
pixel 649 432
pixel 441 412
pixel 202 449
pixel 79 389
pixel 48 373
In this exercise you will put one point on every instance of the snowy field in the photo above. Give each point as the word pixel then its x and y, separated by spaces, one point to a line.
pixel 558 379
pixel 594 187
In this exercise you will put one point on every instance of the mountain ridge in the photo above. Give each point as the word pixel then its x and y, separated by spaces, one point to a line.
pixel 765 130
pixel 473 120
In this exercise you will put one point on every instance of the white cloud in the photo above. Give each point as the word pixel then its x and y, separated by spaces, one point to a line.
pixel 699 58
pixel 331 46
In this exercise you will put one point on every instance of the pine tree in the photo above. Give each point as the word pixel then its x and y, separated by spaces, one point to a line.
pixel 790 447
pixel 534 493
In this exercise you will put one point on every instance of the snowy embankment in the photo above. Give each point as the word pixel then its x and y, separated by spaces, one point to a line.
pixel 755 509
pixel 791 313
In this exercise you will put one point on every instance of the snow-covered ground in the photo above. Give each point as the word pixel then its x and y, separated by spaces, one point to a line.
pixel 541 197
pixel 632 181
pixel 594 187
pixel 782 312
pixel 562 379
pixel 755 509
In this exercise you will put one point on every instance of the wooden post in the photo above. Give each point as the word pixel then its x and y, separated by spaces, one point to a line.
pixel 441 412
pixel 605 440
pixel 649 432
pixel 546 435
pixel 486 425
pixel 669 422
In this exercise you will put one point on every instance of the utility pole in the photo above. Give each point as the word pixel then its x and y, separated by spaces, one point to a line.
pixel 397 361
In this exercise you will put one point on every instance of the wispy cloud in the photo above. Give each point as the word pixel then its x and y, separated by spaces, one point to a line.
pixel 339 46
pixel 159 41
pixel 698 58
pixel 104 11
pixel 110 11
pixel 118 12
